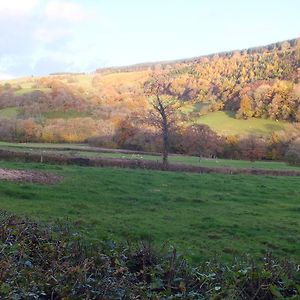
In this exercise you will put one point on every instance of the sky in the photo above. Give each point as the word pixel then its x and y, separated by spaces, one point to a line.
pixel 38 37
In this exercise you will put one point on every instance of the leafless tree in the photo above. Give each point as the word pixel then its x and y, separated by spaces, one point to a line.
pixel 162 115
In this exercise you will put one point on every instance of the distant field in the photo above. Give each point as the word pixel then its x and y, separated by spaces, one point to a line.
pixel 9 112
pixel 202 215
pixel 83 150
pixel 70 114
pixel 188 108
pixel 226 124
pixel 26 90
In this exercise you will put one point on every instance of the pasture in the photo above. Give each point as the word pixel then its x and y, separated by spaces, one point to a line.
pixel 225 123
pixel 202 215
pixel 9 112
pixel 83 150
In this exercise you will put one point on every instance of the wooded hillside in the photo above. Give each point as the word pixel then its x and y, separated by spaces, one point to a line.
pixel 259 86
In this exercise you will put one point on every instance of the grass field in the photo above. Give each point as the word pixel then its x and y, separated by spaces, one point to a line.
pixel 65 114
pixel 9 112
pixel 225 123
pixel 26 90
pixel 83 150
pixel 202 215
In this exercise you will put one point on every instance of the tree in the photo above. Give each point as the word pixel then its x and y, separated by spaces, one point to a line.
pixel 202 141
pixel 293 152
pixel 28 131
pixel 162 115
pixel 245 110
pixel 253 148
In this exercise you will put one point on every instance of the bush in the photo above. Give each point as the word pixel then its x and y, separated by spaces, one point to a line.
pixel 38 262
pixel 293 152
pixel 104 141
pixel 253 148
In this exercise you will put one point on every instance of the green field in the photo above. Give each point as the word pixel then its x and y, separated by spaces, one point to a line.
pixel 27 90
pixel 202 215
pixel 65 114
pixel 85 151
pixel 9 112
pixel 225 123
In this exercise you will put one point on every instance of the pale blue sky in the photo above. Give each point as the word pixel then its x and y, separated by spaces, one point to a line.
pixel 43 36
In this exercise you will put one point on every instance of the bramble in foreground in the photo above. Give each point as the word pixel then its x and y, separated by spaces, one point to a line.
pixel 39 262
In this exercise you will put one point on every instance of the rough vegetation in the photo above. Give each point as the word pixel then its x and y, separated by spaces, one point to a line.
pixel 29 176
pixel 38 262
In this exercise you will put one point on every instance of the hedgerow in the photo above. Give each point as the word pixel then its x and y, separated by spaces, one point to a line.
pixel 39 261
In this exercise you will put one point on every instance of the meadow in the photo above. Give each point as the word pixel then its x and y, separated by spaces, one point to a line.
pixel 9 112
pixel 202 215
pixel 225 123
pixel 85 151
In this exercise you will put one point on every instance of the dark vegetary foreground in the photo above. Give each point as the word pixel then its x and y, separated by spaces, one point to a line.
pixel 39 262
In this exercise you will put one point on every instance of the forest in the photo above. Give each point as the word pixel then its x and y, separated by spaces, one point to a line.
pixel 109 107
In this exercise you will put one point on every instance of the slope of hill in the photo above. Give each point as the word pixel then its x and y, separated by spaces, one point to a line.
pixel 253 91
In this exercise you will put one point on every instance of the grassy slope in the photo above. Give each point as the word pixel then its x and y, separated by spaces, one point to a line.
pixel 26 90
pixel 9 112
pixel 70 114
pixel 226 124
pixel 77 150
pixel 203 215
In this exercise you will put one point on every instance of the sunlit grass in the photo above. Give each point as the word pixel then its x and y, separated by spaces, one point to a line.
pixel 70 114
pixel 9 112
pixel 28 90
pixel 202 215
pixel 225 123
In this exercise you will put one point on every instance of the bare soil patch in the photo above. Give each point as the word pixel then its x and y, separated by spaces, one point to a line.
pixel 29 176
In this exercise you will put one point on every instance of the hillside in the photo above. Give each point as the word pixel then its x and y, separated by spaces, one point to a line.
pixel 250 92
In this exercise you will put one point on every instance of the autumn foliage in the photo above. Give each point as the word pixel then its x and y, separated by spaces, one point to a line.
pixel 106 108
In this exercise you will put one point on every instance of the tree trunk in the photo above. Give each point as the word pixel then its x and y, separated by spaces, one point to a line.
pixel 165 158
pixel 165 129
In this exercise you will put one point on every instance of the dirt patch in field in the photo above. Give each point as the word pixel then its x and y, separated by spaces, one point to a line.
pixel 29 176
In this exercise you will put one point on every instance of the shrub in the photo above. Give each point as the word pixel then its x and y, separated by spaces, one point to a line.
pixel 293 152
pixel 253 148
pixel 38 262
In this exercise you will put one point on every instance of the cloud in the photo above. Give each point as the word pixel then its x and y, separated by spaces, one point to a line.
pixel 61 21
pixel 6 76
pixel 17 7
pixel 40 36
pixel 47 34
pixel 66 11
pixel 17 22
pixel 52 64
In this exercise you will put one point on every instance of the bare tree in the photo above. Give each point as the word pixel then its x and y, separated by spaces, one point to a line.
pixel 162 115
